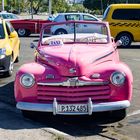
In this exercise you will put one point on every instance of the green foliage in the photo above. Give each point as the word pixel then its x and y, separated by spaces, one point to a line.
pixel 99 4
pixel 59 5
pixel 77 8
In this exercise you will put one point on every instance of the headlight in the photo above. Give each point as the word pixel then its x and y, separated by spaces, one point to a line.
pixel 2 53
pixel 27 80
pixel 118 78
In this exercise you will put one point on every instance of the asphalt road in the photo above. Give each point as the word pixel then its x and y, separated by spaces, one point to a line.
pixel 47 127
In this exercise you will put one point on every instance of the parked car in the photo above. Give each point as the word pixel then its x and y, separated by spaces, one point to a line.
pixel 124 22
pixel 25 27
pixel 6 15
pixel 63 17
pixel 75 74
pixel 9 48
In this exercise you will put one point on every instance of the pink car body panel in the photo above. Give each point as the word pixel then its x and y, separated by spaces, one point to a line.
pixel 86 59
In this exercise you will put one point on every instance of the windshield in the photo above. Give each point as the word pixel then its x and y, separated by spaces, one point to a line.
pixel 2 35
pixel 9 16
pixel 75 32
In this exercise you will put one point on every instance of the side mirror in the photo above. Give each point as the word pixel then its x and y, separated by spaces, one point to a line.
pixel 13 34
pixel 118 43
pixel 32 45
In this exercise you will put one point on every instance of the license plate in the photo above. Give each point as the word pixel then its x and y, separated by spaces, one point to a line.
pixel 72 108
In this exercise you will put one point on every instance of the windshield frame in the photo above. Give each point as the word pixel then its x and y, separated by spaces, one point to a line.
pixel 82 22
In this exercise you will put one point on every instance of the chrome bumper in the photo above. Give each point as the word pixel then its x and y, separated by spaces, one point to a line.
pixel 99 107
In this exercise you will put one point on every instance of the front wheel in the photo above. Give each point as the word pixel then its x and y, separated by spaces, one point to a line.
pixel 125 38
pixel 60 31
pixel 23 32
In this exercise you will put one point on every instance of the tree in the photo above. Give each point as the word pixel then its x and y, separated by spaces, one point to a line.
pixel 37 4
pixel 96 4
pixel 59 5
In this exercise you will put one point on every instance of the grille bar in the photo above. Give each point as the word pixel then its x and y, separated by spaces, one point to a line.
pixel 73 94
pixel 75 99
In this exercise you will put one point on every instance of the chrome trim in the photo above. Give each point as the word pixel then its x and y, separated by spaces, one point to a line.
pixel 115 73
pixel 74 82
pixel 55 105
pixel 102 56
pixel 72 70
pixel 29 75
pixel 97 107
pixel 90 106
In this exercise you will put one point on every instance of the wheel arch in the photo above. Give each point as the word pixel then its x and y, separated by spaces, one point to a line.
pixel 60 29
pixel 131 35
pixel 27 32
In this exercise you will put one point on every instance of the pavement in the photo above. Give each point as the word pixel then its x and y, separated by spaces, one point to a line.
pixel 47 127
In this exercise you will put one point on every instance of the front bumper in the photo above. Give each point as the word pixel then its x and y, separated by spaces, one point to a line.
pixel 99 107
pixel 4 63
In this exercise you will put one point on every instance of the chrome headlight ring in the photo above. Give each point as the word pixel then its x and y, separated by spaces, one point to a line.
pixel 118 78
pixel 27 80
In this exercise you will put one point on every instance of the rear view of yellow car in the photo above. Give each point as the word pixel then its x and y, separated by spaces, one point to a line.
pixel 9 47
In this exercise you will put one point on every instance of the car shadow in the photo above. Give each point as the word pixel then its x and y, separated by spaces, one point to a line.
pixel 32 36
pixel 7 93
pixel 130 47
pixel 11 118
pixel 95 124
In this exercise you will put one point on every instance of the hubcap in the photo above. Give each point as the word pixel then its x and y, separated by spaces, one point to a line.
pixel 125 40
pixel 59 33
pixel 21 32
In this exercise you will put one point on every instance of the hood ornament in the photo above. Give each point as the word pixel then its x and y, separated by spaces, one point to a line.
pixel 71 82
pixel 72 70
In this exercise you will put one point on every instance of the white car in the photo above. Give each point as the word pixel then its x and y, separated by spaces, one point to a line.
pixel 6 15
pixel 64 29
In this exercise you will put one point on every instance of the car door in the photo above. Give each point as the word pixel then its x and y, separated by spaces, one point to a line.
pixel 14 40
pixel 75 17
pixel 88 28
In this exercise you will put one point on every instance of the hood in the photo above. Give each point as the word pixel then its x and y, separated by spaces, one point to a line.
pixel 73 60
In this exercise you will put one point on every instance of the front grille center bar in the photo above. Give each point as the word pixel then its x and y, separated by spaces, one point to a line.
pixel 73 82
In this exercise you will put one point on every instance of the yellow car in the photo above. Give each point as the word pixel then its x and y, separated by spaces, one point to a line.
pixel 9 47
pixel 124 22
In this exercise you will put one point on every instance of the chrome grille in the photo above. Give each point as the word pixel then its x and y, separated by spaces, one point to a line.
pixel 73 94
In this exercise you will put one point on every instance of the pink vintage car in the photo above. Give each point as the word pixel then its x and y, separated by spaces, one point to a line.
pixel 76 73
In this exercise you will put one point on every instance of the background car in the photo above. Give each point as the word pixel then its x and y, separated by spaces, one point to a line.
pixel 124 22
pixel 6 15
pixel 9 48
pixel 63 17
pixel 75 74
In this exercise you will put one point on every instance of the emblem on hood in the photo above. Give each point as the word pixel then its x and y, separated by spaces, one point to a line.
pixel 72 70
pixel 72 82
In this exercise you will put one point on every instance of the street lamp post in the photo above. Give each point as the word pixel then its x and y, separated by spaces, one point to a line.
pixel 50 7
pixel 102 6
pixel 18 6
pixel 32 9
pixel 2 5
